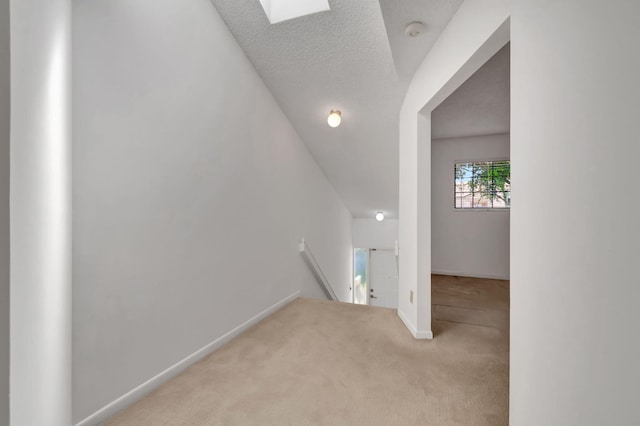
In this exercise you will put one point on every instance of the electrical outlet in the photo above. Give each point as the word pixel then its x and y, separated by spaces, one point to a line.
pixel 411 296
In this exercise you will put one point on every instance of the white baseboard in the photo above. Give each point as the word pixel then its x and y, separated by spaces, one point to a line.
pixel 471 275
pixel 134 395
pixel 427 334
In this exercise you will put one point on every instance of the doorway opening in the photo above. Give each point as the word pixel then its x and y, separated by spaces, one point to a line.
pixel 471 201
pixel 375 280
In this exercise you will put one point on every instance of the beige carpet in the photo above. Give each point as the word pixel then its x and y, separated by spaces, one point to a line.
pixel 327 363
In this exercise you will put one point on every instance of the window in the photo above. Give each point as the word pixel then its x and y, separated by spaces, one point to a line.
pixel 360 272
pixel 482 185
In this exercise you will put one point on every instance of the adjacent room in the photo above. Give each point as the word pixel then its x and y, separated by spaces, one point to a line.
pixel 471 200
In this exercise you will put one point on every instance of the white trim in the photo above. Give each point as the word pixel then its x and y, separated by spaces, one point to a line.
pixel 483 159
pixel 137 393
pixel 412 328
pixel 304 249
pixel 482 209
pixel 471 275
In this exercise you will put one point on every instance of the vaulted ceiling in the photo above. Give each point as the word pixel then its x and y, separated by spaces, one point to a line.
pixel 355 58
pixel 480 106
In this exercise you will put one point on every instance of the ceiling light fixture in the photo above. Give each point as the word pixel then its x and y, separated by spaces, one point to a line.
pixel 414 29
pixel 379 216
pixel 335 118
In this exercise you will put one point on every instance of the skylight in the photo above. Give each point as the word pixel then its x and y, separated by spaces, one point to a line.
pixel 282 10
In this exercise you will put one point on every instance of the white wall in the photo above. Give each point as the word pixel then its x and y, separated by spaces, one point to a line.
pixel 369 233
pixel 5 107
pixel 191 190
pixel 473 243
pixel 40 213
pixel 575 237
pixel 476 32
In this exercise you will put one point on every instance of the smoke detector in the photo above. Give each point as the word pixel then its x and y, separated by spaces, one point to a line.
pixel 414 29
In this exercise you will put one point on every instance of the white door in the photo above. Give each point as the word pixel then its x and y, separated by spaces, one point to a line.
pixel 383 279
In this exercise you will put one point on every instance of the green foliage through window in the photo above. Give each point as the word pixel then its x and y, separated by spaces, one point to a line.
pixel 482 185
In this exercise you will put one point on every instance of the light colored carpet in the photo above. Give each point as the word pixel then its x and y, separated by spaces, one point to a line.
pixel 326 363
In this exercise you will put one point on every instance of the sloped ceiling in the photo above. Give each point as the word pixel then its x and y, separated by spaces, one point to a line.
pixel 480 106
pixel 354 58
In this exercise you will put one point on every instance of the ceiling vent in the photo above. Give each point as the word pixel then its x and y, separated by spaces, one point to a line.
pixel 283 10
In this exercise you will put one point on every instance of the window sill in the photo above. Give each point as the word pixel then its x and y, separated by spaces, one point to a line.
pixel 483 210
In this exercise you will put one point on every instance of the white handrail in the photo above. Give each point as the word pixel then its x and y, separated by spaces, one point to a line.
pixel 317 271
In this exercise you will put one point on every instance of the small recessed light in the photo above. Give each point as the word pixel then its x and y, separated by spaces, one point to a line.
pixel 414 29
pixel 335 118
pixel 379 216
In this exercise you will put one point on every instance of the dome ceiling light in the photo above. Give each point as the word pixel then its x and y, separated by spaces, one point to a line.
pixel 335 118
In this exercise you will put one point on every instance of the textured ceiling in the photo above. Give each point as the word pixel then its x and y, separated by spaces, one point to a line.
pixel 409 53
pixel 480 106
pixel 355 58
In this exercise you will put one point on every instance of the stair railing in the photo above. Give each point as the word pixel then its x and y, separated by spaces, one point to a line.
pixel 306 253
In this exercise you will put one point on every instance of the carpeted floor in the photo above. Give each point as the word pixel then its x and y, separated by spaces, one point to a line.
pixel 326 363
pixel 467 300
